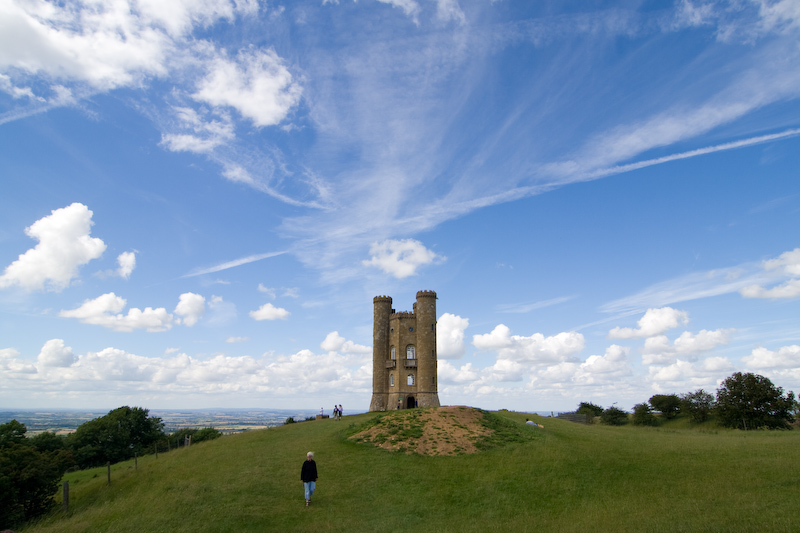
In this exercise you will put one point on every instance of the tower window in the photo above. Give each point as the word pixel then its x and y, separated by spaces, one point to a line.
pixel 394 356
pixel 410 379
pixel 410 353
pixel 391 380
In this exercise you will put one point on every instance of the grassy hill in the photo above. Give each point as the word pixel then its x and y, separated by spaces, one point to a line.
pixel 564 477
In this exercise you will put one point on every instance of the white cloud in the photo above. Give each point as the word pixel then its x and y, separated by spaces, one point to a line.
pixel 191 307
pixel 658 350
pixel 198 134
pixel 257 84
pixel 450 336
pixel 11 364
pixel 269 312
pixel 55 354
pixel 400 258
pixel 788 265
pixel 234 340
pixel 336 343
pixel 536 349
pixel 106 311
pixel 64 246
pixel 104 44
pixel 686 376
pixel 266 290
pixel 654 322
pixel 448 373
pixel 764 359
pixel 126 262
pixel 410 7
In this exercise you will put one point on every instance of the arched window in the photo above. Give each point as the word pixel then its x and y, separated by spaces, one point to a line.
pixel 411 379
pixel 393 354
pixel 391 380
pixel 410 353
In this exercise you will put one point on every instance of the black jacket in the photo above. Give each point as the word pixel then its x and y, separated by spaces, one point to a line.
pixel 309 471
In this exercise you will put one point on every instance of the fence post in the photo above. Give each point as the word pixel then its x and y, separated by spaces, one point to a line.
pixel 65 498
pixel 108 465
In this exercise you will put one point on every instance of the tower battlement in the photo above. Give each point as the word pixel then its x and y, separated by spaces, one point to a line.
pixel 426 294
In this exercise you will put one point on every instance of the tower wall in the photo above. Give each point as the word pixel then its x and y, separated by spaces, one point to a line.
pixel 382 309
pixel 427 386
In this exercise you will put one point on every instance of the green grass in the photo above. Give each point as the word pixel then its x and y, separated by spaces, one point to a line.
pixel 571 477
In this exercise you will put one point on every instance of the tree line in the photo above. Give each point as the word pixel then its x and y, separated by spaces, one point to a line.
pixel 743 401
pixel 32 467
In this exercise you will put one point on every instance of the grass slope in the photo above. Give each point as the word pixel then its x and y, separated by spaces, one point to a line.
pixel 573 478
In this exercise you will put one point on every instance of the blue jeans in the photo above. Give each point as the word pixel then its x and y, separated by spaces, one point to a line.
pixel 309 486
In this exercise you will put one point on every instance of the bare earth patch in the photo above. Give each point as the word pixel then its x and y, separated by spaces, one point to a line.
pixel 449 430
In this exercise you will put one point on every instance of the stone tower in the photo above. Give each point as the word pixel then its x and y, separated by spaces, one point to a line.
pixel 404 355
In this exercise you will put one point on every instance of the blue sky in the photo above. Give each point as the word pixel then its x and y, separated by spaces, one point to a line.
pixel 201 199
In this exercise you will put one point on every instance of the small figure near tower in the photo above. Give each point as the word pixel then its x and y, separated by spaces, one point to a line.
pixel 404 355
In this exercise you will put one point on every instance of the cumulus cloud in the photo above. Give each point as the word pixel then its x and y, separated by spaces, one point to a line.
pixel 658 350
pixel 764 359
pixel 536 349
pixel 269 312
pixel 450 336
pixel 257 84
pixel 104 45
pixel 64 246
pixel 106 310
pixel 11 364
pixel 654 322
pixel 400 258
pixel 686 375
pixel 336 343
pixel 55 354
pixel 449 373
pixel 596 371
pixel 191 307
pixel 785 265
pixel 126 262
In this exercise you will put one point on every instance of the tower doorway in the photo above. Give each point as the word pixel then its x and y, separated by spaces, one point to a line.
pixel 411 403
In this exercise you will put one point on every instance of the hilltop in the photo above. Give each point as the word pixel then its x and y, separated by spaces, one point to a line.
pixel 563 477
pixel 442 431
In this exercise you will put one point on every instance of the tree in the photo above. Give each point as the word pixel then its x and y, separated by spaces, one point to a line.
pixel 697 405
pixel 28 477
pixel 614 416
pixel 750 401
pixel 669 405
pixel 590 409
pixel 643 415
pixel 115 437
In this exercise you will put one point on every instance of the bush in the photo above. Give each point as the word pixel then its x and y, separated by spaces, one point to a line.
pixel 697 405
pixel 614 416
pixel 589 409
pixel 750 401
pixel 669 405
pixel 643 415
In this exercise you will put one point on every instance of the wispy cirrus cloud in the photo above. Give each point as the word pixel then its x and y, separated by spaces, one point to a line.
pixel 232 264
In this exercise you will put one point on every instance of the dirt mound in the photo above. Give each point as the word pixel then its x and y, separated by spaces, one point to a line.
pixel 441 431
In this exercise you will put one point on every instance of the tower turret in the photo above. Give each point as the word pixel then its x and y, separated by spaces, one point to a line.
pixel 425 311
pixel 382 309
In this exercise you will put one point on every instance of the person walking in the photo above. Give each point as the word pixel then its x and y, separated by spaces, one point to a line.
pixel 308 475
